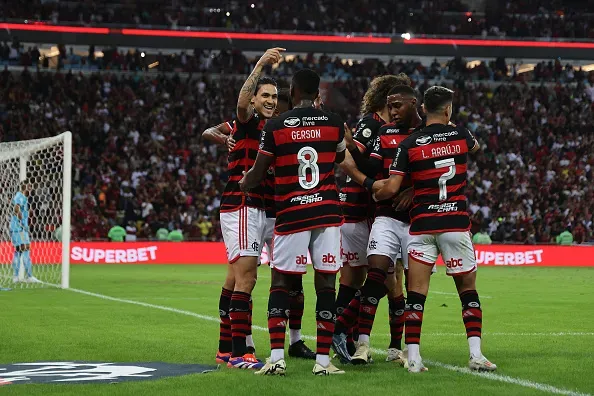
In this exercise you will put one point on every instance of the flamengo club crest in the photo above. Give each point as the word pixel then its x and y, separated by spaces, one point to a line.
pixel 93 372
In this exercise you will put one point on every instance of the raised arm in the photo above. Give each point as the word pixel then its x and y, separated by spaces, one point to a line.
pixel 244 102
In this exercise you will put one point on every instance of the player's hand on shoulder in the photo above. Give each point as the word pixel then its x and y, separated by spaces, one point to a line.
pixel 271 56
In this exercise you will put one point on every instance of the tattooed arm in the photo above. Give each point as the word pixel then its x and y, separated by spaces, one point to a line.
pixel 244 102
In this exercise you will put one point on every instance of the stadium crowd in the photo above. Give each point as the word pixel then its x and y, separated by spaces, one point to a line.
pixel 139 160
pixel 235 62
pixel 527 18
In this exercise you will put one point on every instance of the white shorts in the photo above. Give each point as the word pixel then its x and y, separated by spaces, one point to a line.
pixel 456 250
pixel 354 243
pixel 243 232
pixel 289 252
pixel 388 236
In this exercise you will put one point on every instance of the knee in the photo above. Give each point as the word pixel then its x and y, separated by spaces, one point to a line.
pixel 282 281
pixel 325 281
pixel 245 283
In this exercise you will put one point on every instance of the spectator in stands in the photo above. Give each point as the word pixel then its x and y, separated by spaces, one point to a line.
pixel 117 234
pixel 481 238
pixel 140 159
pixel 565 238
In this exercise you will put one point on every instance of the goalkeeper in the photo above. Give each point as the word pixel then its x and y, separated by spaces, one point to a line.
pixel 19 233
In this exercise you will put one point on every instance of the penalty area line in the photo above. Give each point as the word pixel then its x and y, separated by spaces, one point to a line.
pixel 490 376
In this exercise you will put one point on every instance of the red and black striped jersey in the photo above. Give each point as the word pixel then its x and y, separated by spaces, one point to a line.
pixel 435 159
pixel 242 158
pixel 387 141
pixel 304 143
pixel 356 201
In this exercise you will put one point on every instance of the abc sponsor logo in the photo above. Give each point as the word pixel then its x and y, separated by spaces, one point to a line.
pixel 301 260
pixel 350 256
pixel 454 263
pixel 329 259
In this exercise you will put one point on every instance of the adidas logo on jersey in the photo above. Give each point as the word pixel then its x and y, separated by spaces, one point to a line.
pixel 413 316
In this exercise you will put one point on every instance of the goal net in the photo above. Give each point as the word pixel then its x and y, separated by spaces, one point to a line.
pixel 35 183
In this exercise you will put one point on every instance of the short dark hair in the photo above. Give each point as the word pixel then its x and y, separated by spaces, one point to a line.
pixel 306 81
pixel 403 90
pixel 436 98
pixel 265 81
pixel 377 93
pixel 284 95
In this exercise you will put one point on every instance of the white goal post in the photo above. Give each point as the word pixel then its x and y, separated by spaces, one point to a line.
pixel 35 200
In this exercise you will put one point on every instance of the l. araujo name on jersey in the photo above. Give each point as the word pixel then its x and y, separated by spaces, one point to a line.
pixel 355 200
pixel 435 158
pixel 304 143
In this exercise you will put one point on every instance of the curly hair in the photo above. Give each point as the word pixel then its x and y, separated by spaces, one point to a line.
pixel 375 97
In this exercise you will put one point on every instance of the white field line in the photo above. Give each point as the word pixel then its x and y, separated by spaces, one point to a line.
pixel 489 376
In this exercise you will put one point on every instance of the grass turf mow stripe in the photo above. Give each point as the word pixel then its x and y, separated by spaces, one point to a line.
pixel 490 376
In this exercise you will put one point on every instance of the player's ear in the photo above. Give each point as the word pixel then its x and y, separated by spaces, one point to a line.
pixel 423 107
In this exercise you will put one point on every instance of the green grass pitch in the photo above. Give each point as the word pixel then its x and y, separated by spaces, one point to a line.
pixel 538 324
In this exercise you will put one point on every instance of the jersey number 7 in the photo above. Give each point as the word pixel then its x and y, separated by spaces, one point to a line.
pixel 449 163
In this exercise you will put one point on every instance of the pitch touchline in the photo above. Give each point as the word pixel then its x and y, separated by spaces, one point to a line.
pixel 490 376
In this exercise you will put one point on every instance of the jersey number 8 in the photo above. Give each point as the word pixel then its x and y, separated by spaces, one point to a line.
pixel 308 161
pixel 449 163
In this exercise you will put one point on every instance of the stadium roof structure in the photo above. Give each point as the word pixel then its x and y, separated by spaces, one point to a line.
pixel 404 44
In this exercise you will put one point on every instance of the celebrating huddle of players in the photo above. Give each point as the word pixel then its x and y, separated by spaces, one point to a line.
pixel 402 206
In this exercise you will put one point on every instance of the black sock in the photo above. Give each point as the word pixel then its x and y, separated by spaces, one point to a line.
pixel 372 292
pixel 239 313
pixel 225 324
pixel 278 310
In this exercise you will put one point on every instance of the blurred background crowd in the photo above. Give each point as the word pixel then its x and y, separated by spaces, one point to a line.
pixel 140 161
